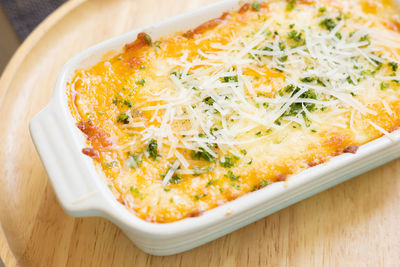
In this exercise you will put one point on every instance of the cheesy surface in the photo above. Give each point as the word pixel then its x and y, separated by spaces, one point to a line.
pixel 183 124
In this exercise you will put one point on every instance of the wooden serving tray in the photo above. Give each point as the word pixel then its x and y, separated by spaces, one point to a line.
pixel 355 223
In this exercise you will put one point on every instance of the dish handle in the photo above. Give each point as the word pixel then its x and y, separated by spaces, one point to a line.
pixel 69 172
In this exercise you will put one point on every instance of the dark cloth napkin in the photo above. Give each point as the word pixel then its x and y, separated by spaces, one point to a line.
pixel 25 15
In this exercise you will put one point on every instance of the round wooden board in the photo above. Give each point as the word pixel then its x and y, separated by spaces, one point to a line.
pixel 355 223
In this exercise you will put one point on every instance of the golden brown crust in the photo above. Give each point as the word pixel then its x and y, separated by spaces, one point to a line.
pixel 316 161
pixel 143 39
pixel 91 152
pixel 208 25
pixel 98 137
pixel 244 8
pixel 195 213
pixel 351 149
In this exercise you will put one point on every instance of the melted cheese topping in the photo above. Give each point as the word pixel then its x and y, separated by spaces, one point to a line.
pixel 181 125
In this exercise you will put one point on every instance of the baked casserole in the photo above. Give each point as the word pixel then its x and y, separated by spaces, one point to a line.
pixel 193 120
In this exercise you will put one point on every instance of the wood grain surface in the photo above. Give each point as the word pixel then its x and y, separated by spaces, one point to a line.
pixel 354 224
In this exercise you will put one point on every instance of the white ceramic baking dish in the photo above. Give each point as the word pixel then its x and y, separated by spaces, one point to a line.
pixel 82 192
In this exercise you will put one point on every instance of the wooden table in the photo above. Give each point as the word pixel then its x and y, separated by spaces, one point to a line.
pixel 355 223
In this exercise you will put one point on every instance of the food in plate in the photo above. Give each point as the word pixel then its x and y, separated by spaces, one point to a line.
pixel 193 120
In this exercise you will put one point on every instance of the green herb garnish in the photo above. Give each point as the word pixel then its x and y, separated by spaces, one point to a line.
pixel 202 154
pixel 128 103
pixel 384 86
pixel 176 179
pixel 147 39
pixel 256 6
pixel 228 79
pixel 157 44
pixel 140 82
pixel 123 117
pixel 329 24
pixel 307 79
pixel 231 176
pixel 228 161
pixel 111 164
pixel 134 190
pixel 211 182
pixel 295 36
pixel 393 65
pixel 290 5
pixel 197 197
pixel 209 100
pixel 152 149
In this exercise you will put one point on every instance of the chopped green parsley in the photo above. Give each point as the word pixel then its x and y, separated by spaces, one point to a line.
pixel 393 65
pixel 209 100
pixel 228 161
pixel 295 36
pixel 211 182
pixel 147 39
pixel 198 197
pixel 152 149
pixel 123 117
pixel 140 82
pixel 290 5
pixel 231 176
pixel 256 6
pixel 176 179
pixel 329 24
pixel 202 154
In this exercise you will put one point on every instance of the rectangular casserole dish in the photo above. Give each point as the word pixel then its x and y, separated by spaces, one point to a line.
pixel 82 192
